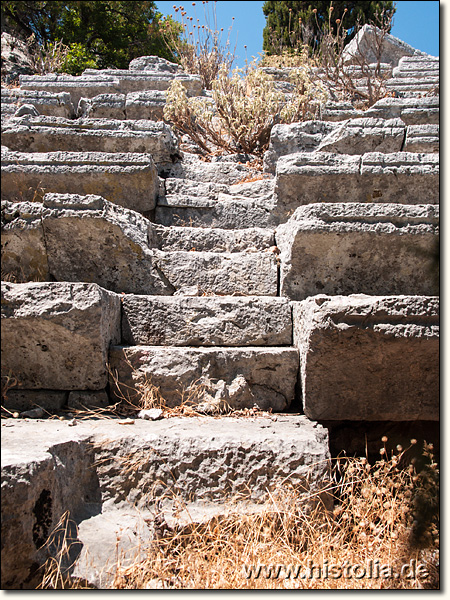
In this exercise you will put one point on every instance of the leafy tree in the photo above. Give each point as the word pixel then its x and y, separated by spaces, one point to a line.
pixel 290 22
pixel 106 33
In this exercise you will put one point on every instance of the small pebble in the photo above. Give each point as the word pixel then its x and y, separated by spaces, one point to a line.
pixel 152 414
pixel 72 423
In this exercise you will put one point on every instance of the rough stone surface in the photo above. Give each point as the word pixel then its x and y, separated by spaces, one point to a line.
pixel 369 357
pixel 207 321
pixel 399 177
pixel 129 180
pixel 145 105
pixel 83 469
pixel 154 63
pixel 358 136
pixel 46 103
pixel 295 137
pixel 237 273
pixel 188 374
pixel 23 251
pixel 422 138
pixel 110 81
pixel 226 171
pixel 340 111
pixel 56 335
pixel 412 111
pixel 112 248
pixel 16 59
pixel 52 134
pixel 87 399
pixel 365 42
pixel 103 106
pixel 352 248
pixel 20 400
pixel 202 239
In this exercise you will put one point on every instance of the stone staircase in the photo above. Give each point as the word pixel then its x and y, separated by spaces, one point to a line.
pixel 303 298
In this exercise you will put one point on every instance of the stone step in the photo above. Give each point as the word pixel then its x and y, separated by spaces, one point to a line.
pixel 209 379
pixel 380 249
pixel 359 136
pixel 126 179
pixel 203 239
pixel 422 138
pixel 52 134
pixel 227 170
pixel 46 103
pixel 369 358
pixel 340 111
pixel 135 106
pixel 93 471
pixel 56 336
pixel 412 111
pixel 114 249
pixel 93 82
pixel 400 177
pixel 188 203
pixel 206 321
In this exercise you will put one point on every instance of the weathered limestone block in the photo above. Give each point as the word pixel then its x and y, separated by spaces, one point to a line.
pixel 46 471
pixel 422 138
pixel 228 212
pixel 220 171
pixel 186 374
pixel 145 105
pixel 56 336
pixel 24 255
pixel 347 248
pixel 143 80
pixel 400 177
pixel 202 239
pixel 51 134
pixel 77 86
pixel 369 358
pixel 412 111
pixel 412 87
pixel 217 205
pixel 224 274
pixel 46 103
pixel 295 137
pixel 103 106
pixel 129 180
pixel 199 461
pixel 340 111
pixel 206 321
pixel 90 239
pixel 22 400
pixel 404 177
pixel 154 63
pixel 358 136
pixel 417 66
pixel 366 43
pixel 87 399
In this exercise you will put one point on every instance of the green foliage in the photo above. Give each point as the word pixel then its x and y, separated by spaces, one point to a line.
pixel 102 33
pixel 290 23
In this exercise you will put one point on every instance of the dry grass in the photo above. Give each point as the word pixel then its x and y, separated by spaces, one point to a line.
pixel 386 513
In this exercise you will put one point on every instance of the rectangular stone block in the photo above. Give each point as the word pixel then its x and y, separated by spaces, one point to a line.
pixel 103 106
pixel 347 248
pixel 422 138
pixel 21 400
pixel 412 111
pixel 223 274
pixel 206 321
pixel 129 180
pixel 46 103
pixel 145 105
pixel 369 358
pixel 358 136
pixel 109 81
pixel 400 177
pixel 201 239
pixel 23 250
pixel 56 336
pixel 52 134
pixel 239 377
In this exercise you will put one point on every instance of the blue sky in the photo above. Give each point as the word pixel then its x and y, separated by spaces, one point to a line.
pixel 416 23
